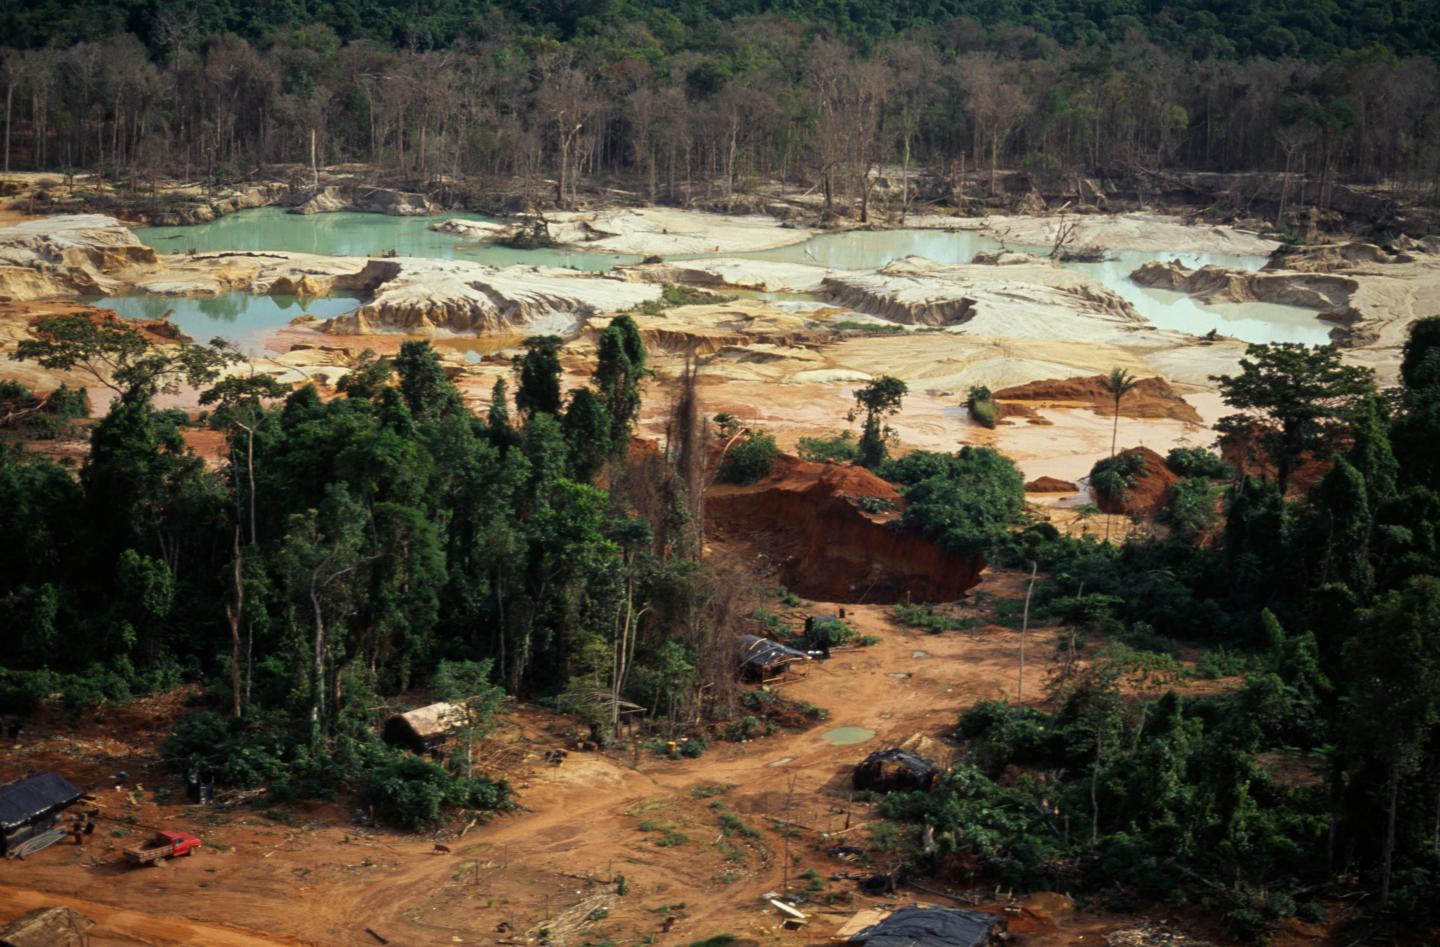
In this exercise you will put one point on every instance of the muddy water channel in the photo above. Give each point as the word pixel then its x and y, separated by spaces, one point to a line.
pixel 244 319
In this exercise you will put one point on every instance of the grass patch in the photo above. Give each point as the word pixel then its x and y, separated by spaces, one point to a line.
pixel 731 825
pixel 867 328
pixel 926 618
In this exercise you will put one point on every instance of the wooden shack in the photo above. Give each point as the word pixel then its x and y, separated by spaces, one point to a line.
pixel 31 806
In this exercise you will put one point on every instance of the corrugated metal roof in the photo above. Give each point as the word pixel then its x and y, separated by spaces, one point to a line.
pixel 26 798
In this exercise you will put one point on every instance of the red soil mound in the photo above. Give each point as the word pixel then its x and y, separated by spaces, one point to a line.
pixel 1050 485
pixel 1151 492
pixel 1150 398
pixel 807 518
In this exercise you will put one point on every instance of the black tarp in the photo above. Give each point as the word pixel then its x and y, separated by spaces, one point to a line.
pixel 895 769
pixel 34 796
pixel 759 654
pixel 930 927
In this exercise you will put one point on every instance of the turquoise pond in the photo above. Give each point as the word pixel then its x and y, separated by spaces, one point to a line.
pixel 244 319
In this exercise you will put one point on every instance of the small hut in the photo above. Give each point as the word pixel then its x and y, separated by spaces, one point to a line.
pixel 424 729
pixel 919 925
pixel 48 927
pixel 896 770
pixel 31 806
pixel 764 660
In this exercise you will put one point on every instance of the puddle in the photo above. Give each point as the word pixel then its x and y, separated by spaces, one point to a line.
pixel 919 654
pixel 781 761
pixel 900 675
pixel 242 319
pixel 847 736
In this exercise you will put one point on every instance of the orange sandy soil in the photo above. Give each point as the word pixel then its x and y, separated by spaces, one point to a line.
pixel 313 875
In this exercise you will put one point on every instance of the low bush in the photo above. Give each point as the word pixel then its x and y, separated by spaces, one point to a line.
pixel 749 461
pixel 842 448
pixel 925 617
pixel 1197 462
pixel 1113 477
pixel 982 406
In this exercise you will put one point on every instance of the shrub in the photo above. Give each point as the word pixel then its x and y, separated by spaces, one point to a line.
pixel 839 449
pixel 965 502
pixel 982 406
pixel 1192 507
pixel 409 792
pixel 676 295
pixel 1112 477
pixel 749 461
pixel 237 753
pixel 925 617
pixel 1196 462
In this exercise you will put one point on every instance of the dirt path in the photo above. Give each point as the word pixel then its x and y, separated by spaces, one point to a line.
pixel 669 827
pixel 123 926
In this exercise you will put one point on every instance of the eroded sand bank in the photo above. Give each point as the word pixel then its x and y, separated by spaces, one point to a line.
pixel 789 364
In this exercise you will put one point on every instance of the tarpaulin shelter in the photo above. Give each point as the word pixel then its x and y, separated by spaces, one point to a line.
pixel 31 806
pixel 896 770
pixel 762 659
pixel 931 927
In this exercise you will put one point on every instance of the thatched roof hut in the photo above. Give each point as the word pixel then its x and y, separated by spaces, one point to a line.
pixel 424 729
pixel 48 927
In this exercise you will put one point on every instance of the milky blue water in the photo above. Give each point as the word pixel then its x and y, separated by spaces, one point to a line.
pixel 244 318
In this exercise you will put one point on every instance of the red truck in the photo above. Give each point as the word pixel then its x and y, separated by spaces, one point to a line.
pixel 164 845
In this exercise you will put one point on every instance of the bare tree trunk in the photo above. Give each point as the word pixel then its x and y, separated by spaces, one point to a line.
pixel 1095 786
pixel 317 694
pixel 234 613
pixel 1388 855
pixel 1024 627
pixel 9 100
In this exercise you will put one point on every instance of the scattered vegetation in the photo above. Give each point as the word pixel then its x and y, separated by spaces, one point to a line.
pixel 927 618
pixel 982 406
pixel 749 460
pixel 838 449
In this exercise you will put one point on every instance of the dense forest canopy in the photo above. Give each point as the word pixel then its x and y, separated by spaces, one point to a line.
pixel 681 99
pixel 1220 28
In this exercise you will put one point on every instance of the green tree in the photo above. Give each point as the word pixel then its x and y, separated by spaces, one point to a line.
pixel 539 390
pixel 1395 695
pixel 365 380
pixel 119 357
pixel 428 392
pixel 240 407
pixel 878 400
pixel 588 432
pixel 466 685
pixel 1291 395
pixel 619 369
pixel 1118 383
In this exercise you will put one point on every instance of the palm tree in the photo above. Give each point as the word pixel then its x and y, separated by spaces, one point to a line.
pixel 1119 383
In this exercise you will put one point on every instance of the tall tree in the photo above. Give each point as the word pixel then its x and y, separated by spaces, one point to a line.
pixel 879 400
pixel 539 388
pixel 1290 396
